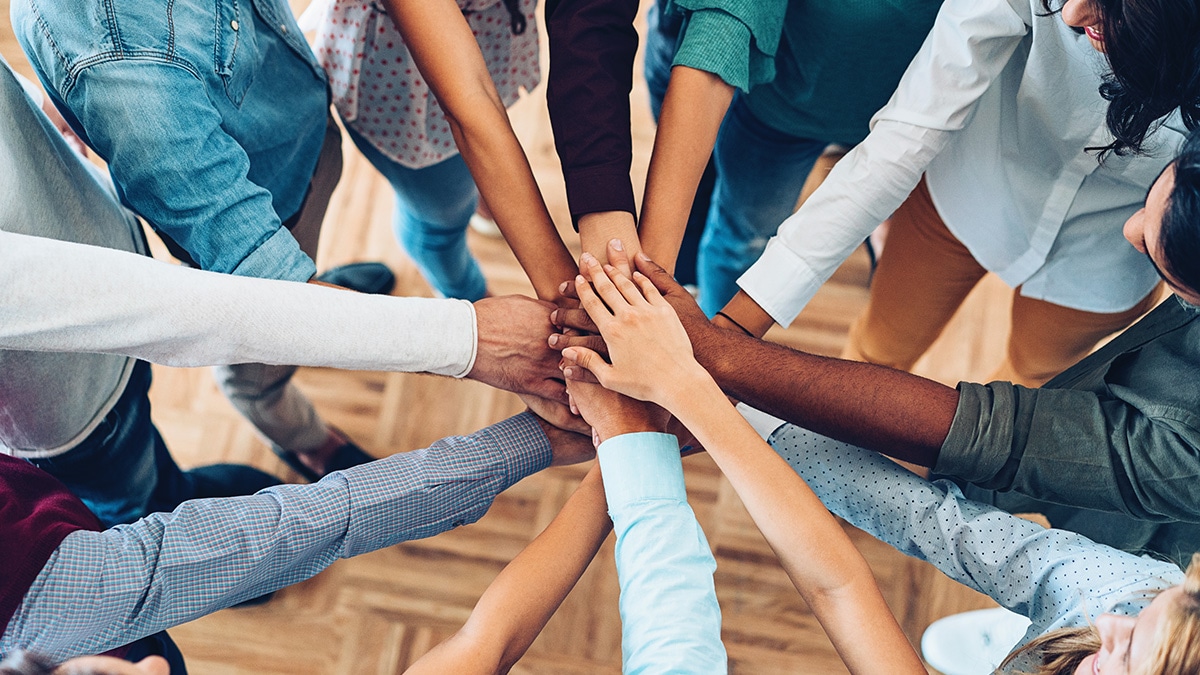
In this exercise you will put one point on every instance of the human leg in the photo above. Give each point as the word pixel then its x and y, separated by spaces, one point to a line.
pixel 433 208
pixel 760 172
pixel 922 278
pixel 1047 338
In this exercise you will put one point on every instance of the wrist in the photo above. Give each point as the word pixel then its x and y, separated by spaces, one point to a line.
pixel 691 392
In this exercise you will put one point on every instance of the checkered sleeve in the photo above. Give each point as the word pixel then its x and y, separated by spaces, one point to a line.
pixel 101 590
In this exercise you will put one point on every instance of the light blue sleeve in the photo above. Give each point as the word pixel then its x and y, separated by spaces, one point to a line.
pixel 1056 578
pixel 670 620
pixel 102 590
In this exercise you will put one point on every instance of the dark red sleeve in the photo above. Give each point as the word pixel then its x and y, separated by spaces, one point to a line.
pixel 592 44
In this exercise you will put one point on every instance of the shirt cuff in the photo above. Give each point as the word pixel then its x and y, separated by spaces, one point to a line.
pixel 781 283
pixel 522 445
pixel 599 189
pixel 279 257
pixel 34 91
pixel 718 42
pixel 976 449
pixel 764 424
pixel 639 467
pixel 474 343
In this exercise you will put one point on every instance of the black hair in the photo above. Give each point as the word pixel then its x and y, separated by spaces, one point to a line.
pixel 1153 49
pixel 1179 237
pixel 25 663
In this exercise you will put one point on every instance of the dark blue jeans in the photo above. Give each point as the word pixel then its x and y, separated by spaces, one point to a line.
pixel 123 471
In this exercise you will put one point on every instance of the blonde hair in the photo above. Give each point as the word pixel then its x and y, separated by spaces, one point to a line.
pixel 1176 649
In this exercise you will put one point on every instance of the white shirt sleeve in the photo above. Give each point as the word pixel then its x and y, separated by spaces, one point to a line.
pixel 970 44
pixel 68 297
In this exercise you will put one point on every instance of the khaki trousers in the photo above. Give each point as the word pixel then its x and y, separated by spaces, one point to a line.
pixel 923 276
pixel 263 394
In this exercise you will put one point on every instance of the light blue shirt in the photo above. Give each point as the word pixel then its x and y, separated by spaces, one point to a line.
pixel 1057 579
pixel 102 590
pixel 670 620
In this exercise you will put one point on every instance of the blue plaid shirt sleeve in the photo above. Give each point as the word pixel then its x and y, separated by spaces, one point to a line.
pixel 102 590
pixel 1056 578
pixel 670 619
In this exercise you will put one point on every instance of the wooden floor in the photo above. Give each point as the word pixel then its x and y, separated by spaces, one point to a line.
pixel 377 613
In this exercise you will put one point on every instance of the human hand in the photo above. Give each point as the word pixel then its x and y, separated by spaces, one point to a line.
pixel 513 353
pixel 611 414
pixel 649 348
pixel 557 414
pixel 567 446
pixel 59 123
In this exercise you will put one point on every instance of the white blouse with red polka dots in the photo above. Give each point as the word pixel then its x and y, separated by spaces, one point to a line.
pixel 378 90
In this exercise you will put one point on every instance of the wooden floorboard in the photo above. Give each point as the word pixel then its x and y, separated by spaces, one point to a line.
pixel 379 612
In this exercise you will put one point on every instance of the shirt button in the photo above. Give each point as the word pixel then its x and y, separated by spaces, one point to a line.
pixel 233 24
pixel 283 29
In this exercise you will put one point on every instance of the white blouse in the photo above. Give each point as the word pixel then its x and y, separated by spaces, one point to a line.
pixel 378 90
pixel 996 110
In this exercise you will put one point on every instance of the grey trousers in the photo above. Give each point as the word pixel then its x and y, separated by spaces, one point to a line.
pixel 263 394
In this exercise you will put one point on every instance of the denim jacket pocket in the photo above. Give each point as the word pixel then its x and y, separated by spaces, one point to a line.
pixel 236 50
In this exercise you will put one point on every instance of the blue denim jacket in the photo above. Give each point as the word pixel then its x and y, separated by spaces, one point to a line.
pixel 211 116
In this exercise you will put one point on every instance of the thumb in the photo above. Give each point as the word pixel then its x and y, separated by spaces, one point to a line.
pixel 661 279
pixel 588 360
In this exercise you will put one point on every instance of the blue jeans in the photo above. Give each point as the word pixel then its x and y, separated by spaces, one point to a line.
pixel 433 207
pixel 760 172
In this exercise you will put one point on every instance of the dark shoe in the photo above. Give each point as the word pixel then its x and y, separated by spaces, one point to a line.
pixel 364 277
pixel 228 480
pixel 347 455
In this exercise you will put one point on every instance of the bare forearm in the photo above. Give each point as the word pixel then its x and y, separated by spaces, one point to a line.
pixel 833 577
pixel 448 57
pixel 875 407
pixel 695 104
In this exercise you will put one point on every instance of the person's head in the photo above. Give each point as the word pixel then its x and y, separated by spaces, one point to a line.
pixel 24 663
pixel 1167 228
pixel 1154 54
pixel 1164 639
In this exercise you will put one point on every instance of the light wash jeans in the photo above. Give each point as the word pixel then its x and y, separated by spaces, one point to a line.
pixel 433 207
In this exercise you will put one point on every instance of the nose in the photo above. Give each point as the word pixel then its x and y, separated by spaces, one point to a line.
pixel 1081 13
pixel 1114 631
pixel 1134 230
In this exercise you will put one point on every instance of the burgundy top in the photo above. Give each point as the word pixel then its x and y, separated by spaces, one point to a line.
pixel 592 43
pixel 36 514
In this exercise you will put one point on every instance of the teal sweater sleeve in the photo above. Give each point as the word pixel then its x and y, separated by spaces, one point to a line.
pixel 734 39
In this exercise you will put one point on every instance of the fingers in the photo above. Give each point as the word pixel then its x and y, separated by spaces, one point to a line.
pixel 618 257
pixel 567 289
pixel 551 389
pixel 595 308
pixel 650 293
pixel 585 360
pixel 600 281
pixel 573 318
pixel 660 278
pixel 630 292
pixel 593 342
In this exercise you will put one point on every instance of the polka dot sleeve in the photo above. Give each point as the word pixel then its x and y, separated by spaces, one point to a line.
pixel 1054 577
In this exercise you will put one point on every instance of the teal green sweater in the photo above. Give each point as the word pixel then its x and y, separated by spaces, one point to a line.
pixel 813 68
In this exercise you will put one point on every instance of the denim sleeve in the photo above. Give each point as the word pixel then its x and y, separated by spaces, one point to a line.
pixel 670 620
pixel 1077 448
pixel 102 590
pixel 177 168
pixel 1055 578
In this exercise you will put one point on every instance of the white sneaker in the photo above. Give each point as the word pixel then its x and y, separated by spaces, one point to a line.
pixel 485 226
pixel 972 643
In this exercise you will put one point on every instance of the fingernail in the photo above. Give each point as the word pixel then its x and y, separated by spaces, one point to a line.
pixel 553 340
pixel 562 288
pixel 588 258
pixel 569 371
pixel 554 314
pixel 617 245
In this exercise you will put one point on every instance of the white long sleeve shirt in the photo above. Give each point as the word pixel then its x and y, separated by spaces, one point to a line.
pixel 996 110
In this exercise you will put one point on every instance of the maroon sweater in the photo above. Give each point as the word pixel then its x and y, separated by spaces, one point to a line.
pixel 36 514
